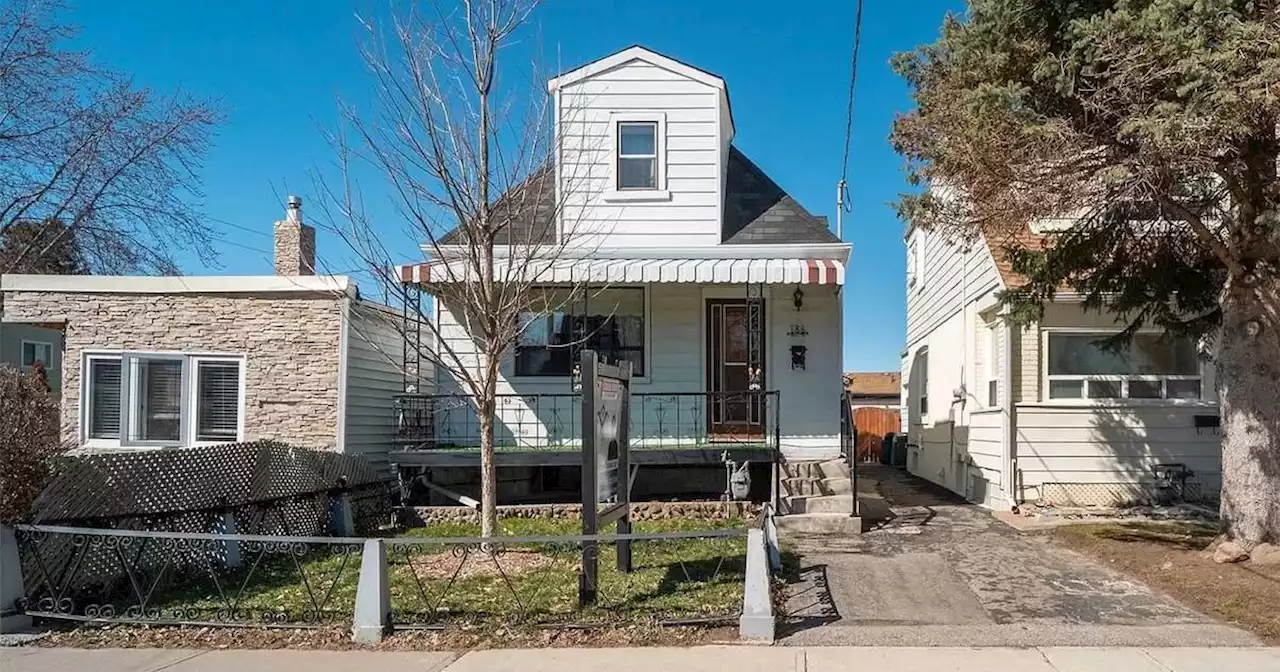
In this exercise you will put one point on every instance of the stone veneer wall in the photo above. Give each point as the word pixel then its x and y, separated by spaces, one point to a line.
pixel 425 515
pixel 290 342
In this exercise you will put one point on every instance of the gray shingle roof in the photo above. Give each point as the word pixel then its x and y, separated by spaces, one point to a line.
pixel 527 212
pixel 756 211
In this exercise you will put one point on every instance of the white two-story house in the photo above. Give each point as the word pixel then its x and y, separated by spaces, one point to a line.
pixel 683 258
pixel 1005 414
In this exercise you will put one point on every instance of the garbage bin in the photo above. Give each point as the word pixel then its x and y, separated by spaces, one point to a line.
pixel 886 448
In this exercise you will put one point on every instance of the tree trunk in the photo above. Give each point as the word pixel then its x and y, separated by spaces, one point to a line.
pixel 488 471
pixel 1248 370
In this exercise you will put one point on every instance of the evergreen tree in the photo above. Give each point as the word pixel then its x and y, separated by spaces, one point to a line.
pixel 48 247
pixel 1153 125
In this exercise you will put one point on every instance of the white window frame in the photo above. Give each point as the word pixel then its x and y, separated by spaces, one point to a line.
pixel 914 276
pixel 193 393
pixel 23 354
pixel 660 191
pixel 86 399
pixel 923 399
pixel 1085 400
pixel 129 413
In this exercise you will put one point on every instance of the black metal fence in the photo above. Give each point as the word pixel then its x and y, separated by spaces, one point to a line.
pixel 659 420
pixel 676 578
pixel 170 578
pixel 138 576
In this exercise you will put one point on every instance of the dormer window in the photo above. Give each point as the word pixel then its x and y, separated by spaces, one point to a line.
pixel 637 155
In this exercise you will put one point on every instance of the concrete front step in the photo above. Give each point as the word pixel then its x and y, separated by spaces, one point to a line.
pixel 819 523
pixel 818 504
pixel 825 469
pixel 816 486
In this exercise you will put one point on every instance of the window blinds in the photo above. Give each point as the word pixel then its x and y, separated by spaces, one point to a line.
pixel 104 402
pixel 218 401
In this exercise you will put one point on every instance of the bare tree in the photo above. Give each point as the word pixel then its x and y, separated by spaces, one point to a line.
pixel 468 164
pixel 113 163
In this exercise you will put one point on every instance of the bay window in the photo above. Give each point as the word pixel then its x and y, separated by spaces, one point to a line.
pixel 561 322
pixel 1149 367
pixel 162 399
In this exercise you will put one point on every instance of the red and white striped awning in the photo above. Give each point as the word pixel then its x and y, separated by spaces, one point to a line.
pixel 728 271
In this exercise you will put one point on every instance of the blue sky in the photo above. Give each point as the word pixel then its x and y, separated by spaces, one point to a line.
pixel 278 67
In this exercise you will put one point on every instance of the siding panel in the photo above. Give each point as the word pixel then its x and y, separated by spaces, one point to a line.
pixel 375 358
pixel 693 150
pixel 1112 445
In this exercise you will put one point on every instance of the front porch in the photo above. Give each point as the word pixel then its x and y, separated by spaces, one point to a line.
pixel 737 354
pixel 545 429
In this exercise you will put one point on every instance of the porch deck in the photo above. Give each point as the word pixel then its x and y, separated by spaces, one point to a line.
pixel 546 429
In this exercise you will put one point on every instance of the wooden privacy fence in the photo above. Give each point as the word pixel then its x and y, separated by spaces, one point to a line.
pixel 873 423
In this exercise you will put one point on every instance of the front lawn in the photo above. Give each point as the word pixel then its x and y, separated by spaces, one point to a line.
pixel 434 584
pixel 1173 557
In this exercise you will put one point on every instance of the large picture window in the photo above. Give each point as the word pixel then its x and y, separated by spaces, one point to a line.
pixel 562 322
pixel 169 399
pixel 1150 367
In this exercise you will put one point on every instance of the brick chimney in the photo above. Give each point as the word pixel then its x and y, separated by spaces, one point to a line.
pixel 295 243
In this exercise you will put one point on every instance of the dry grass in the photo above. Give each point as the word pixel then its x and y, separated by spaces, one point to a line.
pixel 1174 558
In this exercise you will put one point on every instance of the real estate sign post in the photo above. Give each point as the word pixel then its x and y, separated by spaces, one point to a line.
pixel 606 496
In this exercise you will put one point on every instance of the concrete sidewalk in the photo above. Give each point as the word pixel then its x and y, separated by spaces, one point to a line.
pixel 694 659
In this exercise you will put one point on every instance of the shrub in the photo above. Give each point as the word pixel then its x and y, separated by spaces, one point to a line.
pixel 28 441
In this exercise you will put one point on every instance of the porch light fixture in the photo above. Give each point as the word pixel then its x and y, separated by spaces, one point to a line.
pixel 798 298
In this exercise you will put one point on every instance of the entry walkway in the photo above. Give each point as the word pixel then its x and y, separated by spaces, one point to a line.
pixel 936 571
pixel 695 659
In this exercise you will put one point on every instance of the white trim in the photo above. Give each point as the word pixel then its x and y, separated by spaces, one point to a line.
pixel 194 362
pixel 835 251
pixel 1124 400
pixel 344 344
pixel 659 191
pixel 188 409
pixel 22 353
pixel 636 53
pixel 207 284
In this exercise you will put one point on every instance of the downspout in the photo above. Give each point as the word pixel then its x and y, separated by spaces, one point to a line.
pixel 1009 440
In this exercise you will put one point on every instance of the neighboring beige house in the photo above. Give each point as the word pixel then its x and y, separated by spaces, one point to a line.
pixel 159 362
pixel 1005 415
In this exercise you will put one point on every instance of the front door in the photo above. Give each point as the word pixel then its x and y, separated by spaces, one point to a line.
pixel 734 410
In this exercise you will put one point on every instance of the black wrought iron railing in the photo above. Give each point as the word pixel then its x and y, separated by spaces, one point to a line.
pixel 849 447
pixel 659 420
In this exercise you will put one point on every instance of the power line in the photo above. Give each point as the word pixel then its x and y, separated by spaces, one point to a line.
pixel 842 189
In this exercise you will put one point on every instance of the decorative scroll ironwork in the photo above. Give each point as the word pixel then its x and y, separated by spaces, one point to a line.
pixel 659 420
pixel 173 578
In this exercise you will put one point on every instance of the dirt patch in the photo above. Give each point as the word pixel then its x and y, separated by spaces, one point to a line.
pixel 339 639
pixel 477 563
pixel 1173 558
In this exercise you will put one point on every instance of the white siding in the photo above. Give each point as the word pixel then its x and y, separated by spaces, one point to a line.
pixel 694 158
pixel 957 444
pixel 952 273
pixel 676 362
pixel 372 374
pixel 1112 445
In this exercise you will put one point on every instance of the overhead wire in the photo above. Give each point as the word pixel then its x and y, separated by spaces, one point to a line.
pixel 843 203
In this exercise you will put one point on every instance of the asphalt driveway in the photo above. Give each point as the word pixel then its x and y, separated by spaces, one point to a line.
pixel 939 571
